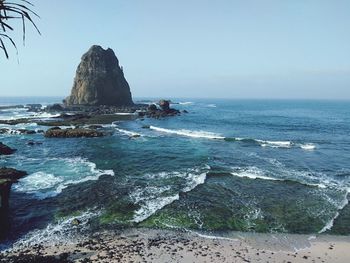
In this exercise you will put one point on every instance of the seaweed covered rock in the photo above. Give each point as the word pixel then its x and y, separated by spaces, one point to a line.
pixel 99 80
pixel 56 132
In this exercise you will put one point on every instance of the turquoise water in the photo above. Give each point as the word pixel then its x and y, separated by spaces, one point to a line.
pixel 245 165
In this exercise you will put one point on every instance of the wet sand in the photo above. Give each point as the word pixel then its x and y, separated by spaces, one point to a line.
pixel 159 246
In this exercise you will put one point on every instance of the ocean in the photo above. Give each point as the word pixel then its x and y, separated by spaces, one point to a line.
pixel 274 166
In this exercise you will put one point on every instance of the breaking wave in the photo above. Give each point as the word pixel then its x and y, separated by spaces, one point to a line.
pixel 189 133
pixel 215 136
pixel 154 198
pixel 63 231
pixel 59 173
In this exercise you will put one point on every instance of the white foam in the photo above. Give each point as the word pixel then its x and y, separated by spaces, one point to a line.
pixel 129 133
pixel 211 106
pixel 59 174
pixel 253 173
pixel 285 175
pixel 210 236
pixel 154 198
pixel 189 133
pixel 185 103
pixel 56 233
pixel 308 146
pixel 125 113
pixel 340 207
pixel 275 144
pixel 36 182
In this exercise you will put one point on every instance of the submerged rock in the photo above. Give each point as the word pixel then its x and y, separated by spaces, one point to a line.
pixel 57 132
pixel 99 80
pixel 5 150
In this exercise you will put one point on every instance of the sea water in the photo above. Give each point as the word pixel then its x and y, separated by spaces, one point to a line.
pixel 280 166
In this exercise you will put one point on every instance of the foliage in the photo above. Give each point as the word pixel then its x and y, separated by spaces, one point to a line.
pixel 10 11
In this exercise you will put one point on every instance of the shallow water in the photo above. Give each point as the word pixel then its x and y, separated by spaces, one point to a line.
pixel 242 165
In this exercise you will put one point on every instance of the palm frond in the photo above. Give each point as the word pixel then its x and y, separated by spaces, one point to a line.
pixel 15 10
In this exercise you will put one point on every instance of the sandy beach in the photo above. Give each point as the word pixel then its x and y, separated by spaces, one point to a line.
pixel 145 245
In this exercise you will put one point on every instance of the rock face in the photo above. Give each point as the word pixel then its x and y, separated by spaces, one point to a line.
pixel 99 80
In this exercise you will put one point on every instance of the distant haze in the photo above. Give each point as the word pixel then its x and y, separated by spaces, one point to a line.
pixel 190 48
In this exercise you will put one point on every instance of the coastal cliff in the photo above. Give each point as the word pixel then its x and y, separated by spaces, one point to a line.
pixel 99 80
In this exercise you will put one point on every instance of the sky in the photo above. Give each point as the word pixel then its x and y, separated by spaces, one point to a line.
pixel 292 49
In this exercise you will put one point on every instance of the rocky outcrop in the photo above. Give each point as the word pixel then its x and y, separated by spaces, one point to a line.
pixel 99 80
pixel 164 105
pixel 5 150
pixel 8 176
pixel 164 110
pixel 57 132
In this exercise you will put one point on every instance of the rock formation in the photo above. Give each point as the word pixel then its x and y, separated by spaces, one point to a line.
pixel 5 150
pixel 57 132
pixel 100 80
pixel 164 111
pixel 8 176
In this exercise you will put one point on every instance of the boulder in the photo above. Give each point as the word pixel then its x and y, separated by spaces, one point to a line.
pixel 152 107
pixel 164 105
pixel 5 150
pixel 99 80
pixel 72 133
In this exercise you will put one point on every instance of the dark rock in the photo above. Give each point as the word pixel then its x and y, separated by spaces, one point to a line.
pixel 185 111
pixel 5 150
pixel 19 131
pixel 8 176
pixel 152 107
pixel 76 222
pixel 99 80
pixel 145 127
pixel 34 107
pixel 32 143
pixel 24 131
pixel 55 107
pixel 72 133
pixel 164 111
pixel 164 105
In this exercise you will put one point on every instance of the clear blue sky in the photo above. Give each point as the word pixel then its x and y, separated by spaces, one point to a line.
pixel 191 48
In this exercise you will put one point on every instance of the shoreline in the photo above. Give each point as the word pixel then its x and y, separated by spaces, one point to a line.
pixel 154 245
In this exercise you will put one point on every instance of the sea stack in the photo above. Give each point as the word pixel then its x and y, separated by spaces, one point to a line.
pixel 99 80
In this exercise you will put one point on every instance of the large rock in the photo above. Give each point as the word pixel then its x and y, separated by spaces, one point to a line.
pixel 56 132
pixel 8 176
pixel 164 104
pixel 5 150
pixel 99 80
